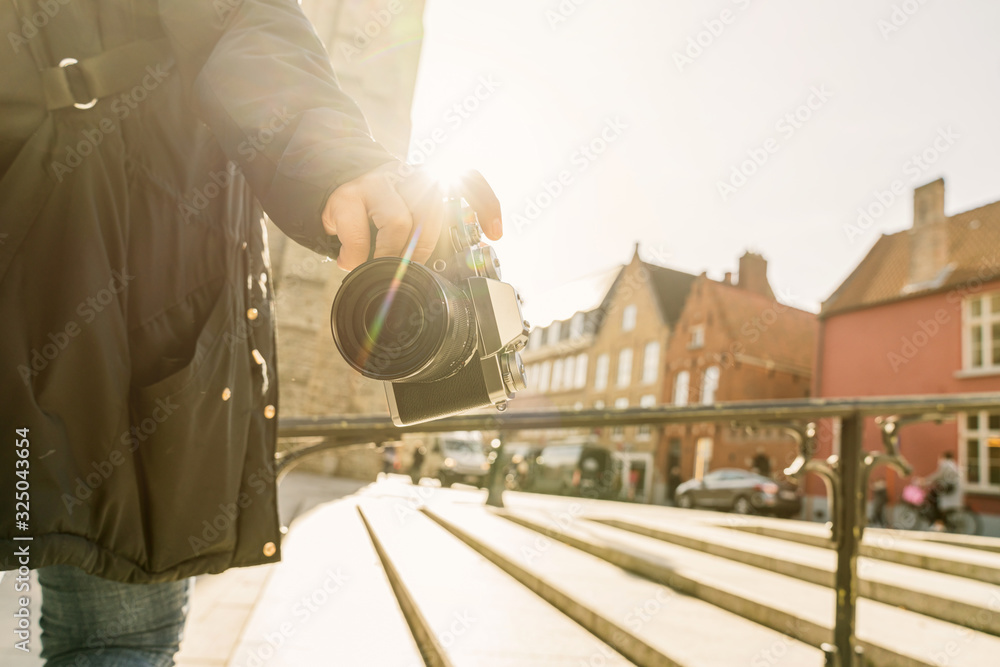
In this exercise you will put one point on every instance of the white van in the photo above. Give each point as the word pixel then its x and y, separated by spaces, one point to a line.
pixel 459 456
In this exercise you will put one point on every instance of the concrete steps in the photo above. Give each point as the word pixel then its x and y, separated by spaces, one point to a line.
pixel 470 610
pixel 897 546
pixel 648 622
pixel 958 600
pixel 803 610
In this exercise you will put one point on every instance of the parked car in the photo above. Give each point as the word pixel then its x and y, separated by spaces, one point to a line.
pixel 456 457
pixel 575 469
pixel 741 491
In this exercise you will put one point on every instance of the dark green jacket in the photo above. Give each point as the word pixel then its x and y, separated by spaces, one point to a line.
pixel 136 317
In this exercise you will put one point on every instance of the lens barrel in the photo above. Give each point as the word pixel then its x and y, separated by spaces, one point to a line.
pixel 396 320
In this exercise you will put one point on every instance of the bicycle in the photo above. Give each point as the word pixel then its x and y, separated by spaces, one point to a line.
pixel 918 510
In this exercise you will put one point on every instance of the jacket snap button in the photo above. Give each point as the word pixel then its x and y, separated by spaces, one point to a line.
pixel 269 411
pixel 226 394
pixel 269 549
pixel 251 313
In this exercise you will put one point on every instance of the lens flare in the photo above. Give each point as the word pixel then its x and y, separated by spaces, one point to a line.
pixel 383 311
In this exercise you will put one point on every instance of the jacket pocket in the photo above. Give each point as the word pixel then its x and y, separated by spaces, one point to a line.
pixel 192 430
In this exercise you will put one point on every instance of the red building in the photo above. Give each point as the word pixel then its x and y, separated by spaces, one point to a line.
pixel 921 315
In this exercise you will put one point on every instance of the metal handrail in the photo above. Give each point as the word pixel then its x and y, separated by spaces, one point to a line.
pixel 846 476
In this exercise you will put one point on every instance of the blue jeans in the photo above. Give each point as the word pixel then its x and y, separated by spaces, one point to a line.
pixel 92 622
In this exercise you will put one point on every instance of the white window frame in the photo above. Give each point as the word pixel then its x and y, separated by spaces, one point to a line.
pixel 623 374
pixel 536 338
pixel 984 435
pixel 569 372
pixel 544 375
pixel 682 396
pixel 697 337
pixel 986 319
pixel 601 369
pixel 651 362
pixel 552 333
pixel 620 404
pixel 643 431
pixel 629 316
pixel 709 385
pixel 580 381
pixel 576 326
pixel 557 375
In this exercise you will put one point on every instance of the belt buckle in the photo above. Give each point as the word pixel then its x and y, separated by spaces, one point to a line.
pixel 66 63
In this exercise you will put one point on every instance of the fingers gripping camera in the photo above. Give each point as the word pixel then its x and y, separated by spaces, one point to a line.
pixel 443 337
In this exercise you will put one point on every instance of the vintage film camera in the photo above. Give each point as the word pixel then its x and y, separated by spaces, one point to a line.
pixel 443 337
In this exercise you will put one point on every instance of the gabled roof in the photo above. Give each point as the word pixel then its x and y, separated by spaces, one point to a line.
pixel 883 275
pixel 670 290
pixel 765 328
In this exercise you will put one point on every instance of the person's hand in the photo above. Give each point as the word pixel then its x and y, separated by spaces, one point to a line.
pixel 408 213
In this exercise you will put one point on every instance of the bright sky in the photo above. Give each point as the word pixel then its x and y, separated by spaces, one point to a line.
pixel 538 85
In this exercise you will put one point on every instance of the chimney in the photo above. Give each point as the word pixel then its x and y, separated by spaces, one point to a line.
pixel 753 274
pixel 929 236
pixel 728 280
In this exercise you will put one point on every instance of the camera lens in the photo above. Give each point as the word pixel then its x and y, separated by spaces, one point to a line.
pixel 395 320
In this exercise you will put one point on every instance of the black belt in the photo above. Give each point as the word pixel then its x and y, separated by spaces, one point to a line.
pixel 82 83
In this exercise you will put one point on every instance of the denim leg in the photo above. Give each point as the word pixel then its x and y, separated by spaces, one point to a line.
pixel 88 621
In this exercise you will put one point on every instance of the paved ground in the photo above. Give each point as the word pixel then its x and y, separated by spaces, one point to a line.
pixel 222 603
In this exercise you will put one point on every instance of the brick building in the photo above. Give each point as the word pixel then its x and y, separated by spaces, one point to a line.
pixel 921 315
pixel 654 338
pixel 735 341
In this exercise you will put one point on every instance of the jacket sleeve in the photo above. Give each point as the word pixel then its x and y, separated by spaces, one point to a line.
pixel 260 78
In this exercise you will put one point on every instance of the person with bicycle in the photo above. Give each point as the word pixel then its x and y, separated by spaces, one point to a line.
pixel 945 488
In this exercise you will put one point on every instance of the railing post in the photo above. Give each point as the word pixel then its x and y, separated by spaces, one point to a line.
pixel 495 480
pixel 848 514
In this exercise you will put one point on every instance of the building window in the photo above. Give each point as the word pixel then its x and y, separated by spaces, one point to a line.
pixel 530 373
pixel 576 326
pixel 709 384
pixel 535 338
pixel 982 332
pixel 569 368
pixel 628 317
pixel 650 362
pixel 681 385
pixel 544 375
pixel 697 337
pixel 580 381
pixel 598 404
pixel 553 333
pixel 643 431
pixel 620 404
pixel 601 372
pixel 625 367
pixel 557 374
pixel 980 455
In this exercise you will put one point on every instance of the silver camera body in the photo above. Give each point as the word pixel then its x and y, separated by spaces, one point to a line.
pixel 444 337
